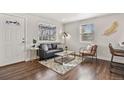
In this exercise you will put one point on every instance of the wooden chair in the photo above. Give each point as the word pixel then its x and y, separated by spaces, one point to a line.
pixel 92 52
pixel 116 52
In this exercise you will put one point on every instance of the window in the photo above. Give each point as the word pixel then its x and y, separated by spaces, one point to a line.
pixel 87 32
pixel 47 32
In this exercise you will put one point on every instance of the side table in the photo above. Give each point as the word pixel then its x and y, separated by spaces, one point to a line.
pixel 33 53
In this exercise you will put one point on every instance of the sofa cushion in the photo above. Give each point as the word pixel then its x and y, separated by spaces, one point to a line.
pixel 45 47
pixel 60 49
pixel 53 51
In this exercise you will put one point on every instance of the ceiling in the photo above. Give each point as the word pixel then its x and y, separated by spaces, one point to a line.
pixel 69 17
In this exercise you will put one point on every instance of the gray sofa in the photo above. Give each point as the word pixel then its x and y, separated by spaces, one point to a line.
pixel 48 50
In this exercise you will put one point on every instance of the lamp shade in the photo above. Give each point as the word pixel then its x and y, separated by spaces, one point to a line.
pixel 66 35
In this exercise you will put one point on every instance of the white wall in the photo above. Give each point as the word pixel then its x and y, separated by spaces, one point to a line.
pixel 31 31
pixel 101 24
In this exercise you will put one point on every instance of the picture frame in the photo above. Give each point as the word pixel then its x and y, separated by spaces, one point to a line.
pixel 47 32
pixel 87 32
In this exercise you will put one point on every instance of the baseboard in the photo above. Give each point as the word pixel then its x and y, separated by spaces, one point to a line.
pixel 32 60
pixel 12 64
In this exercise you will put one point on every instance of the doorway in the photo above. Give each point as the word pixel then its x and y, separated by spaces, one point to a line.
pixel 12 33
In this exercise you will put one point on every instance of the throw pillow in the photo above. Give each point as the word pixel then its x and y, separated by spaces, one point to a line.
pixel 89 47
pixel 54 46
pixel 45 47
pixel 49 46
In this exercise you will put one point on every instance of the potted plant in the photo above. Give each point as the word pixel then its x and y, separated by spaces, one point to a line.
pixel 34 42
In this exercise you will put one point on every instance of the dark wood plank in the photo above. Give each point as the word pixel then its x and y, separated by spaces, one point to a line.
pixel 88 70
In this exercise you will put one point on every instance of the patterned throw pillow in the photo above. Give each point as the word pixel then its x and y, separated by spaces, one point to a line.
pixel 89 47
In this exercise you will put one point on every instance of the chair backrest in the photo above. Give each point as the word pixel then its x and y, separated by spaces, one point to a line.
pixel 111 49
pixel 94 49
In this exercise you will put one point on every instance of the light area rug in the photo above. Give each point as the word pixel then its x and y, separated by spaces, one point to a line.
pixel 61 68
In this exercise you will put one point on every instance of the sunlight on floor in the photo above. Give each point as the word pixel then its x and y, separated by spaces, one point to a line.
pixel 85 74
pixel 48 74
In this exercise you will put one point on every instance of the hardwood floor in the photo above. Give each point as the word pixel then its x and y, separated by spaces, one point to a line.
pixel 88 70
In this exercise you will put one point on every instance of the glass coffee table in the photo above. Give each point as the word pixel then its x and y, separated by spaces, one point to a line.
pixel 64 57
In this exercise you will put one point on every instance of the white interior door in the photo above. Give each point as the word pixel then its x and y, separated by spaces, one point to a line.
pixel 12 40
